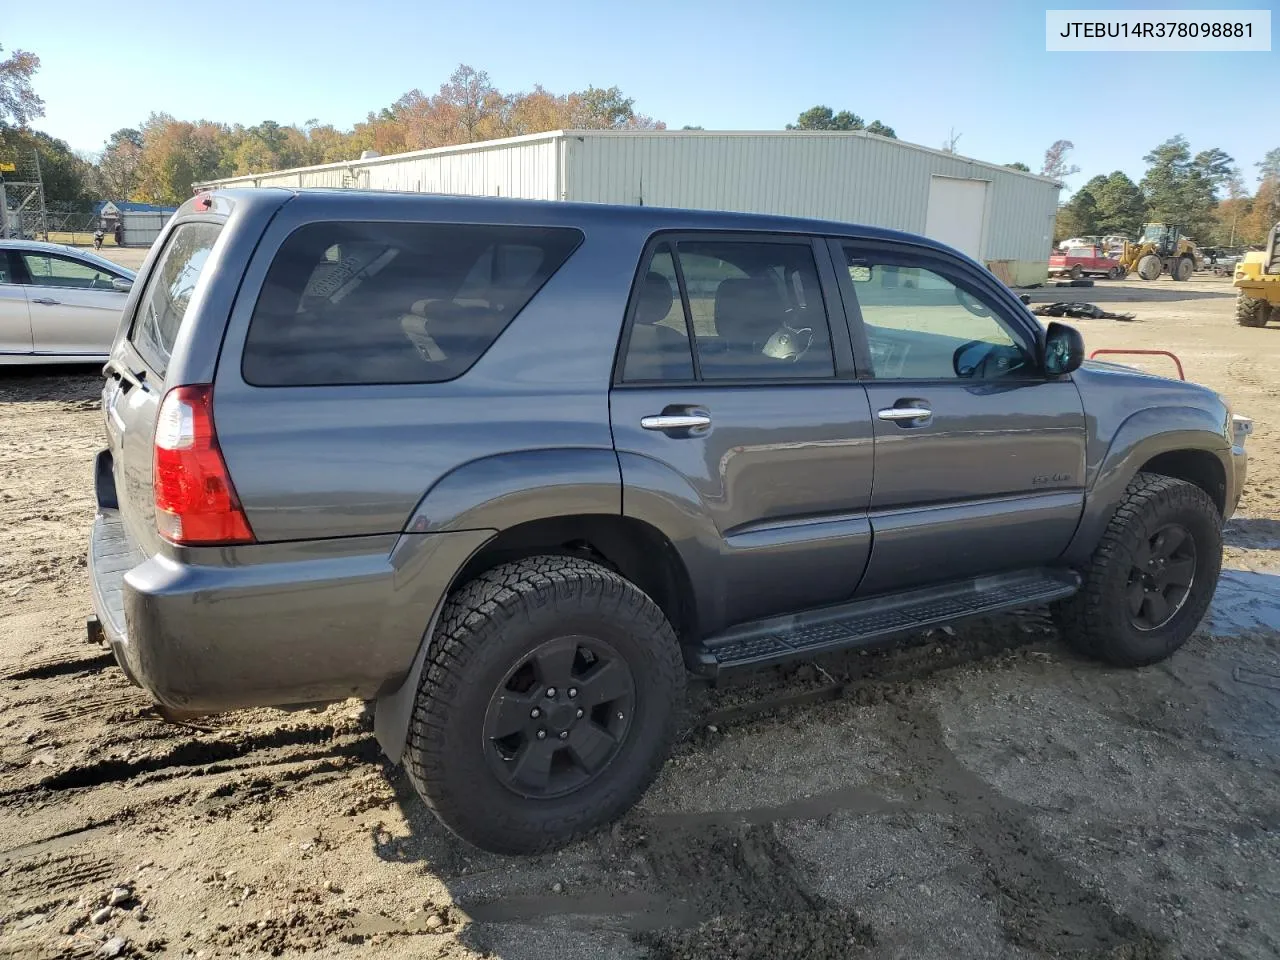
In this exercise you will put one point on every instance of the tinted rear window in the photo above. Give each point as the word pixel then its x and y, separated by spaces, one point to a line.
pixel 363 303
pixel 168 293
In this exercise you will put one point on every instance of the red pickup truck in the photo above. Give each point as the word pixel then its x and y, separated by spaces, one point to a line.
pixel 1077 262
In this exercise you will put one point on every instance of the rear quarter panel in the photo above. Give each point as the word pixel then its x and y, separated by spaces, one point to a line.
pixel 355 460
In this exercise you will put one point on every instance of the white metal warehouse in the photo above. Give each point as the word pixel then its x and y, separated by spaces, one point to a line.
pixel 997 215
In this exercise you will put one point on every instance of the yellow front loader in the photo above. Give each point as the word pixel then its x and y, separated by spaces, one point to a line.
pixel 1257 279
pixel 1161 247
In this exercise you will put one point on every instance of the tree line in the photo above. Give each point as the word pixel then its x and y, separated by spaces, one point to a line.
pixel 1204 192
pixel 159 160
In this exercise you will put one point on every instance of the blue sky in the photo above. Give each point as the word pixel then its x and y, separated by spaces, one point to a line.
pixel 923 68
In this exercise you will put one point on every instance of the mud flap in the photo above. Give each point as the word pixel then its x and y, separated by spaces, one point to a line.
pixel 393 711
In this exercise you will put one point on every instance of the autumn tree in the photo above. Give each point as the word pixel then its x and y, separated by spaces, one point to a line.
pixel 607 109
pixel 118 164
pixel 19 104
pixel 161 160
pixel 177 154
pixel 1056 164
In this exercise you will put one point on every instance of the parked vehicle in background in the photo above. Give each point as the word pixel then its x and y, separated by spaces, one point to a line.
pixel 58 304
pixel 502 466
pixel 1091 261
pixel 1257 282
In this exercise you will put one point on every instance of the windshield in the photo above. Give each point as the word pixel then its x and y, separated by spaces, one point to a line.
pixel 1155 231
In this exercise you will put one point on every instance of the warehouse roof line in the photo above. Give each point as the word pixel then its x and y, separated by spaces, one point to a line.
pixel 480 145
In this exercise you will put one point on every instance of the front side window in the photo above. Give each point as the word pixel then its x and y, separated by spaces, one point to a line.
pixel 363 303
pixel 922 326
pixel 50 270
pixel 755 310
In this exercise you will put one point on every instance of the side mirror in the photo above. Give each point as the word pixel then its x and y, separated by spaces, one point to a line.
pixel 122 284
pixel 1063 349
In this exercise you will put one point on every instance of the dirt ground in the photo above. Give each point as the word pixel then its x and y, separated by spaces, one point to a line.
pixel 983 794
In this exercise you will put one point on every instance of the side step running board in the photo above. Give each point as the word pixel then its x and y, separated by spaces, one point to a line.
pixel 872 621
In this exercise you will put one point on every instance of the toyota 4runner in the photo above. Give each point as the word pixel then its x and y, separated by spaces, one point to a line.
pixel 514 470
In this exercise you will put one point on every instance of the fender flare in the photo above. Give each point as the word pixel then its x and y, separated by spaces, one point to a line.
pixel 1142 436
pixel 493 494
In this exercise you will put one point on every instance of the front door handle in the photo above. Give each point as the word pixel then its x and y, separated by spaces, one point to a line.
pixel 46 302
pixel 676 421
pixel 904 413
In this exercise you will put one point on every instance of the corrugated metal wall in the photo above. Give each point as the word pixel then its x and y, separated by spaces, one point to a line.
pixel 521 167
pixel 858 179
pixel 525 170
pixel 832 176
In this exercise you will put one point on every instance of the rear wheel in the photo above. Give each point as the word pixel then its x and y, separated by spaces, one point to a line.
pixel 1182 268
pixel 1151 577
pixel 1077 271
pixel 1149 267
pixel 1252 311
pixel 550 699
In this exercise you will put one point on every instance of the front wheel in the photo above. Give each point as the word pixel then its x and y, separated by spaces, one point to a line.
pixel 550 699
pixel 1150 266
pixel 1150 580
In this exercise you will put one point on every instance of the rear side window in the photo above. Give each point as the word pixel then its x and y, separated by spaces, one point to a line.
pixel 366 303
pixel 168 293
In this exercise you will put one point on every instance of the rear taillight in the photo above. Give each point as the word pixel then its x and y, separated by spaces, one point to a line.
pixel 195 501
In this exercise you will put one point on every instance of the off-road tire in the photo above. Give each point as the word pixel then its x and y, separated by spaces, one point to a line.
pixel 487 626
pixel 1252 311
pixel 1182 268
pixel 1095 621
pixel 1149 267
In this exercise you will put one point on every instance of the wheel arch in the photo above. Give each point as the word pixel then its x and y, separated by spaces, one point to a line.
pixel 1186 443
pixel 634 549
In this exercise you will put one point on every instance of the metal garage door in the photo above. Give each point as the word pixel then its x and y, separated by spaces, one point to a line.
pixel 957 213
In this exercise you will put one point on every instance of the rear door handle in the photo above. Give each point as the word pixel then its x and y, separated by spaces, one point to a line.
pixel 45 301
pixel 676 421
pixel 901 414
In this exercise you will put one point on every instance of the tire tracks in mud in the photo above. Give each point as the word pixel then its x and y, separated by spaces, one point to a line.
pixel 193 756
pixel 732 888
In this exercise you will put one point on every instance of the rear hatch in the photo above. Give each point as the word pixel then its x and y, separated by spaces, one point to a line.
pixel 169 338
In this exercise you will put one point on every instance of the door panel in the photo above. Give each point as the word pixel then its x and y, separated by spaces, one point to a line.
pixel 74 310
pixel 979 459
pixel 738 405
pixel 993 481
pixel 15 318
pixel 784 472
pixel 74 321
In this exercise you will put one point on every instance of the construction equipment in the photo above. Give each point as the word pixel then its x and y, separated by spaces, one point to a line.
pixel 1162 247
pixel 1257 278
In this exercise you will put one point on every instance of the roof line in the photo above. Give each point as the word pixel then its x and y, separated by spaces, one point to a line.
pixel 482 145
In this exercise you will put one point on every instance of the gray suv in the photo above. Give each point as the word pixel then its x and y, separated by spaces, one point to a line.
pixel 515 469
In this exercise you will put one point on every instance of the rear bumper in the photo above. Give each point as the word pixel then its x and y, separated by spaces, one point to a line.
pixel 273 624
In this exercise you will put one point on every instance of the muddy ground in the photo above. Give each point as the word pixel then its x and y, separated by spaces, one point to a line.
pixel 986 794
